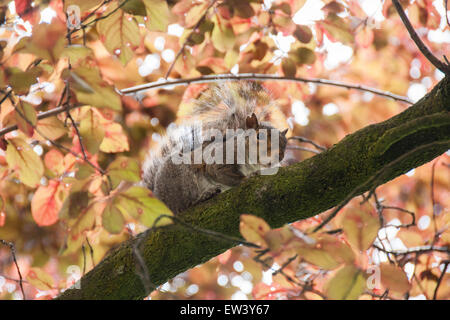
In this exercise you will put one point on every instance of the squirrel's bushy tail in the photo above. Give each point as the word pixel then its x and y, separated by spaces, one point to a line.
pixel 178 139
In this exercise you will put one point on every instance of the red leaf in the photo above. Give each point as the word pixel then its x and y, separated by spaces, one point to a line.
pixel 46 204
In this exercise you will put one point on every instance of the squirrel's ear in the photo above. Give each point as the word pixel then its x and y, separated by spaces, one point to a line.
pixel 251 122
pixel 284 131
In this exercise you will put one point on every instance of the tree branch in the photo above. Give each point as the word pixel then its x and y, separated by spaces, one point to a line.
pixel 419 43
pixel 296 192
pixel 257 76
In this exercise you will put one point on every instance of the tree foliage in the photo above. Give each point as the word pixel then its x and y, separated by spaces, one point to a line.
pixel 75 129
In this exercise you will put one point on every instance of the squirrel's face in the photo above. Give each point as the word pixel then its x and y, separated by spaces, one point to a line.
pixel 272 140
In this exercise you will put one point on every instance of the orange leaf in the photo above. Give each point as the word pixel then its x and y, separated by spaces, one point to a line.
pixel 46 204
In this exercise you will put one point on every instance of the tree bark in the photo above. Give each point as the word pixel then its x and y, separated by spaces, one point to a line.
pixel 358 163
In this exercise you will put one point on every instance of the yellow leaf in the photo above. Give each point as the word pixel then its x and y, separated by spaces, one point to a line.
pixel 139 203
pixel 115 139
pixel 120 35
pixel 103 95
pixel 361 228
pixel 222 35
pixel 22 159
pixel 26 117
pixel 158 15
pixel 91 131
pixel 253 229
pixel 347 284
pixel 40 279
pixel 51 127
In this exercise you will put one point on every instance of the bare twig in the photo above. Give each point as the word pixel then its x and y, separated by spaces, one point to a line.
pixel 415 250
pixel 222 77
pixel 12 248
pixel 446 263
pixel 303 139
pixel 142 269
pixel 257 76
pixel 303 149
pixel 446 12
pixel 419 43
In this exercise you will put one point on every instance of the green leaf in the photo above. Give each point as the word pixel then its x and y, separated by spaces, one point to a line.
pixel 112 219
pixel 21 81
pixel 303 56
pixel 141 205
pixel 337 28
pixel 102 95
pixel 158 15
pixel 347 284
pixel 91 131
pixel 120 35
pixel 123 169
pixel 222 35
pixel 22 159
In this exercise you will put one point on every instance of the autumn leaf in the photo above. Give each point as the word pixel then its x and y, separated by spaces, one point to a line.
pixel 139 203
pixel 337 28
pixel 54 161
pixel 40 279
pixel 46 203
pixel 47 41
pixel 120 35
pixel 123 169
pixel 222 36
pixel 97 92
pixel 115 139
pixel 394 278
pixel 158 14
pixel 26 117
pixel 347 284
pixel 51 128
pixel 112 219
pixel 361 228
pixel 253 229
pixel 23 160
pixel 91 130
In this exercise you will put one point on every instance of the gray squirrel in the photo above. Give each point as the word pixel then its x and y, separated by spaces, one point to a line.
pixel 225 121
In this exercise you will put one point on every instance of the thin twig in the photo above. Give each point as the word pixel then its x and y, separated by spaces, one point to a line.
pixel 257 76
pixel 446 263
pixel 13 254
pixel 303 149
pixel 222 77
pixel 303 139
pixel 415 250
pixel 419 43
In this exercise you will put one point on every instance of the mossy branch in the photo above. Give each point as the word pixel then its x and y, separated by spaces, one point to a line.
pixel 297 192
